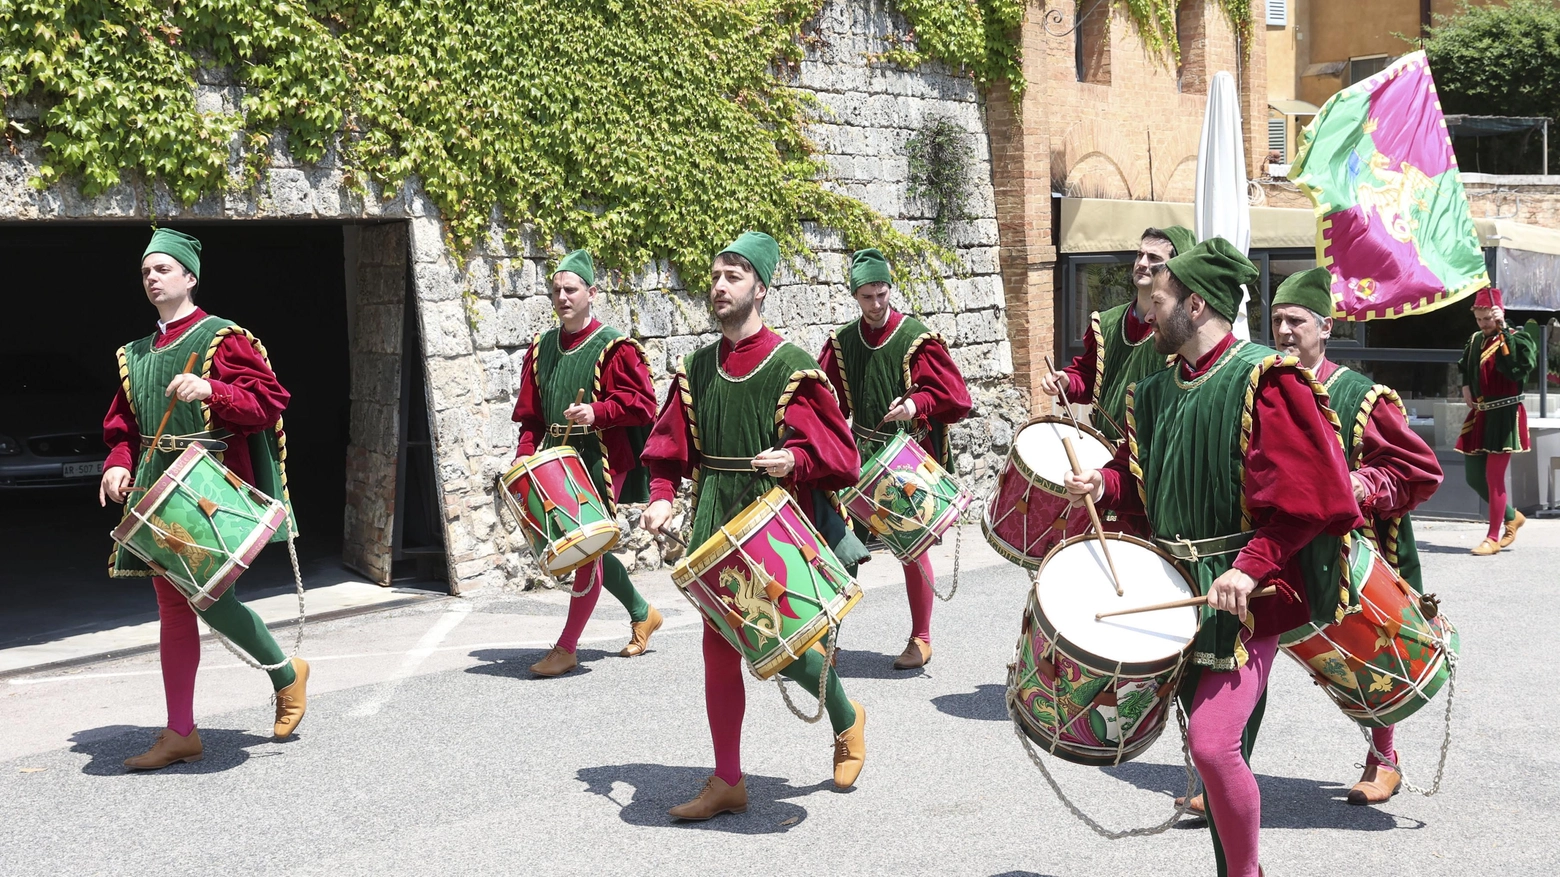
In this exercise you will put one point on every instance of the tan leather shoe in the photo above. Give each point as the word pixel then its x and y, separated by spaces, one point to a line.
pixel 641 633
pixel 1377 785
pixel 170 747
pixel 916 655
pixel 558 662
pixel 1509 535
pixel 1197 808
pixel 292 700
pixel 1486 548
pixel 850 750
pixel 714 799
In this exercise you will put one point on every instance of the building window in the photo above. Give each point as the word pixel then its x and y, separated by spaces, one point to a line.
pixel 1191 72
pixel 1091 41
pixel 1278 140
pixel 1278 13
pixel 1361 69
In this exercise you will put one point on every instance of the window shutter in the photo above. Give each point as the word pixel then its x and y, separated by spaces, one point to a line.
pixel 1278 138
pixel 1278 13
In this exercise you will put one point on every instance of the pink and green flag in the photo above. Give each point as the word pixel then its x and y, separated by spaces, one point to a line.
pixel 1393 224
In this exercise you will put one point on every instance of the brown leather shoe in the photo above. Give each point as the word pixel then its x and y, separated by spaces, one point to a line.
pixel 558 662
pixel 170 747
pixel 641 634
pixel 1509 535
pixel 850 750
pixel 1377 785
pixel 1197 808
pixel 915 656
pixel 714 799
pixel 1486 548
pixel 292 700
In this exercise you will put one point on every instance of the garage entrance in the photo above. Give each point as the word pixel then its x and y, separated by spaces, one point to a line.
pixel 75 297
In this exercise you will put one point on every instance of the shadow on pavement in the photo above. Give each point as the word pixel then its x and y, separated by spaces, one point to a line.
pixel 109 746
pixel 1287 802
pixel 656 788
pixel 862 664
pixel 1432 548
pixel 986 702
pixel 516 663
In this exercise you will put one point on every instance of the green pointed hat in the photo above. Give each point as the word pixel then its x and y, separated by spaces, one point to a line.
pixel 869 266
pixel 1215 270
pixel 183 247
pixel 579 262
pixel 760 250
pixel 1311 290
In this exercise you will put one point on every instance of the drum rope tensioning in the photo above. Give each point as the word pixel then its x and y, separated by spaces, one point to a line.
pixel 292 554
pixel 1446 734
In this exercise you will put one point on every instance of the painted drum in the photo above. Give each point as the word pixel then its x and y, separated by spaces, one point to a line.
pixel 1384 662
pixel 1099 692
pixel 905 498
pixel 1026 514
pixel 768 583
pixel 559 510
pixel 199 526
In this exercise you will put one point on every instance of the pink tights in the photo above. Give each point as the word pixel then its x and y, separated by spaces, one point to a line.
pixel 587 588
pixel 725 701
pixel 179 647
pixel 1495 476
pixel 918 587
pixel 1220 709
pixel 1381 738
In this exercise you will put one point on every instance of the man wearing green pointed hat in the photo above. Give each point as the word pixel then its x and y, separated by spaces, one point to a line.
pixel 590 383
pixel 889 370
pixel 1116 353
pixel 231 404
pixel 1234 459
pixel 753 402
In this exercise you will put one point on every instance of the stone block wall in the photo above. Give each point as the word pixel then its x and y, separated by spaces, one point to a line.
pixel 478 315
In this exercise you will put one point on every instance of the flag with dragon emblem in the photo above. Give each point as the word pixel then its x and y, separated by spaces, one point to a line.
pixel 1393 223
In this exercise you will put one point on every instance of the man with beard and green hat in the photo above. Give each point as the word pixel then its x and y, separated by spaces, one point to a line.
pixel 607 427
pixel 1116 352
pixel 1234 459
pixel 872 362
pixel 231 405
pixel 730 405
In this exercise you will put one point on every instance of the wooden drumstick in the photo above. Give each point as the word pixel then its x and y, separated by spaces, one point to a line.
pixel 785 434
pixel 1094 515
pixel 896 404
pixel 1066 405
pixel 1177 604
pixel 578 398
pixel 188 367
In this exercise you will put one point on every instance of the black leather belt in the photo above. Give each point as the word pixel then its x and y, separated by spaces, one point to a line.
pixel 1198 549
pixel 1493 404
pixel 170 443
pixel 559 430
pixel 726 464
pixel 865 434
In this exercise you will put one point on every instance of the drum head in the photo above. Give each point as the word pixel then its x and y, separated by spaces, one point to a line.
pixel 1039 446
pixel 1074 584
pixel 582 547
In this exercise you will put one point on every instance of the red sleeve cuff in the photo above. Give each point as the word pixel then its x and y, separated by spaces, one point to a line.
pixel 1252 564
pixel 120 456
pixel 1076 389
pixel 221 395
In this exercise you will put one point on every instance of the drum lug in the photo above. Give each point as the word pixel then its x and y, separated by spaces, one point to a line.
pixel 808 554
pixel 237 482
pixel 734 619
pixel 207 507
pixel 774 590
pixel 1022 505
pixel 1106 697
pixel 1429 605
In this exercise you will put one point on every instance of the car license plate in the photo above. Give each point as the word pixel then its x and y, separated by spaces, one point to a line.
pixel 83 470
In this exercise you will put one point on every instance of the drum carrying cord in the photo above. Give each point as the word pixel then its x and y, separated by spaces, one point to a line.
pixel 1446 735
pixel 823 677
pixel 292 553
pixel 1086 819
pixel 958 553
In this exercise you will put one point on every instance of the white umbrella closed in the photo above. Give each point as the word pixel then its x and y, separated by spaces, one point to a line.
pixel 1222 206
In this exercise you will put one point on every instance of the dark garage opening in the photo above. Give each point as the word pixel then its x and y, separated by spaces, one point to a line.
pixel 75 297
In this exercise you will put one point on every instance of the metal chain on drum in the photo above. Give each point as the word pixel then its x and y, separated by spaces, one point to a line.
pixel 1086 819
pixel 958 553
pixel 292 554
pixel 1446 734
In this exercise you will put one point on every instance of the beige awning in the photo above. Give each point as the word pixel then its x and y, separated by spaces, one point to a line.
pixel 1517 236
pixel 1098 225
pixel 1294 107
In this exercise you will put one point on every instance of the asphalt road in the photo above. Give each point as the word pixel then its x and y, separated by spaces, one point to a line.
pixel 428 749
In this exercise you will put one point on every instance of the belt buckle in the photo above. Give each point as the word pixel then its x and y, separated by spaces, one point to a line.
pixel 166 444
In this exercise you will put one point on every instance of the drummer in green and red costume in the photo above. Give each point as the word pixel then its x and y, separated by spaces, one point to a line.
pixel 868 361
pixel 1235 460
pixel 750 383
pixel 608 431
pixel 1393 470
pixel 232 405
pixel 1116 353
pixel 1495 363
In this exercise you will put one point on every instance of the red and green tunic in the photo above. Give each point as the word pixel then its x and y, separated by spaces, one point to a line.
pixel 1240 458
pixel 869 368
pixel 244 411
pixel 614 372
pixel 1493 368
pixel 1118 351
pixel 1398 470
